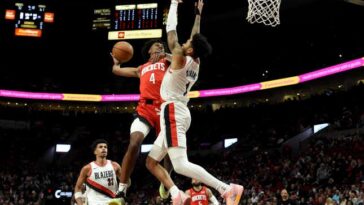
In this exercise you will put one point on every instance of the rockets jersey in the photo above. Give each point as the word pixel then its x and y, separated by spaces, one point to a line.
pixel 177 83
pixel 199 197
pixel 101 183
pixel 151 76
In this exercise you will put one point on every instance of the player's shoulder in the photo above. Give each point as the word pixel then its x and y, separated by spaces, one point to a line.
pixel 188 192
pixel 115 164
pixel 86 168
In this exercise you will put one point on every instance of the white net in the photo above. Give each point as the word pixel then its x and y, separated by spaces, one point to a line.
pixel 264 11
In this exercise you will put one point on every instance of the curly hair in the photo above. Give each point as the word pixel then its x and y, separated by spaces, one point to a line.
pixel 147 46
pixel 201 47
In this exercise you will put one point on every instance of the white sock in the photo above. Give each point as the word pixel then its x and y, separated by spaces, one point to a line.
pixel 221 188
pixel 174 191
pixel 123 187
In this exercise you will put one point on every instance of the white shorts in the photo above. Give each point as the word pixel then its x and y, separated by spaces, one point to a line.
pixel 175 121
pixel 95 198
pixel 139 126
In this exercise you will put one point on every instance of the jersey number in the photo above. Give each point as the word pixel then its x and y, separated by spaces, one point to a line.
pixel 187 85
pixel 152 78
pixel 110 181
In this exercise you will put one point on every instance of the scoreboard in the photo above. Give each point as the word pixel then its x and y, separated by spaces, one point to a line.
pixel 136 21
pixel 29 19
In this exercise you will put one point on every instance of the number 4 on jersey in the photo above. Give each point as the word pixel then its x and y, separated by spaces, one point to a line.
pixel 152 78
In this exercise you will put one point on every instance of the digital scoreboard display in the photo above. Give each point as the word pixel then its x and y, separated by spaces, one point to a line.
pixel 136 21
pixel 102 19
pixel 29 19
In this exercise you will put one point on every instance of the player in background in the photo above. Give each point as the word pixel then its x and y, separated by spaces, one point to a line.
pixel 100 177
pixel 150 74
pixel 200 194
pixel 176 117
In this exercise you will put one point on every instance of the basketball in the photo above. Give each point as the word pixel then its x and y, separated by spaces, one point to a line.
pixel 123 51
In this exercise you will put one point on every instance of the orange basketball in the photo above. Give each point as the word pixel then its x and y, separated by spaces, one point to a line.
pixel 123 51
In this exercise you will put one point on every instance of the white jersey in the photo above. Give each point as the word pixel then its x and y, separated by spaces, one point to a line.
pixel 101 184
pixel 177 83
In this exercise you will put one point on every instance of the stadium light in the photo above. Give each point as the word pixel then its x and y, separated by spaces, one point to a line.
pixel 229 142
pixel 319 127
pixel 64 148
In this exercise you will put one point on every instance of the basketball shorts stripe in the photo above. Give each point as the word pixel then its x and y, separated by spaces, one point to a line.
pixel 171 126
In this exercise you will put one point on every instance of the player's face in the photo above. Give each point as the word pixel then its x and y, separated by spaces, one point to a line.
pixel 101 150
pixel 187 47
pixel 187 44
pixel 156 48
pixel 196 184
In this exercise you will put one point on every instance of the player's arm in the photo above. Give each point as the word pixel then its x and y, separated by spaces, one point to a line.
pixel 212 198
pixel 117 169
pixel 81 179
pixel 171 25
pixel 124 71
pixel 196 25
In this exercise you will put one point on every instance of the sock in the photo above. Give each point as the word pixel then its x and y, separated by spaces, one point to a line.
pixel 221 188
pixel 123 187
pixel 174 191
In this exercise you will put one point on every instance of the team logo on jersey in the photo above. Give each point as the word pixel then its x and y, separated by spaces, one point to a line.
pixel 191 74
pixel 152 67
pixel 104 174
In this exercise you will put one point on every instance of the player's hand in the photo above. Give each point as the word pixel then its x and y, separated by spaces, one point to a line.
pixel 199 6
pixel 116 61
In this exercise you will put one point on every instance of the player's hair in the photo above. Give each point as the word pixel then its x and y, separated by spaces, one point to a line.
pixel 201 47
pixel 98 141
pixel 147 46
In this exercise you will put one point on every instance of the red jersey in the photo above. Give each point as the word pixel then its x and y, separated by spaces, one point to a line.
pixel 151 76
pixel 199 197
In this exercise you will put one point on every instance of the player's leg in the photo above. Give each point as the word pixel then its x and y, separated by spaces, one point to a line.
pixel 232 193
pixel 155 156
pixel 167 164
pixel 177 120
pixel 157 153
pixel 139 130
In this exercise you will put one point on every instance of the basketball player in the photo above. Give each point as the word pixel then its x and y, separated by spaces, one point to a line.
pixel 201 195
pixel 100 176
pixel 151 74
pixel 175 115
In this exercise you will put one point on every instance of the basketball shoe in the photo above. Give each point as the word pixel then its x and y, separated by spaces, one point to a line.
pixel 233 194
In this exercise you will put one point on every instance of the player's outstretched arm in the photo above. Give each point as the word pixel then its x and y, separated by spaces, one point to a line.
pixel 124 71
pixel 171 26
pixel 198 11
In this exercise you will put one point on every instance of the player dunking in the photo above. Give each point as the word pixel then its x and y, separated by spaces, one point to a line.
pixel 100 177
pixel 151 74
pixel 175 115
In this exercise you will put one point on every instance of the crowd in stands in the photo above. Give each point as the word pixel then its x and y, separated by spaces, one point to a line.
pixel 328 169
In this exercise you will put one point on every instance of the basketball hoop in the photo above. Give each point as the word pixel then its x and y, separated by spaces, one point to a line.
pixel 264 11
